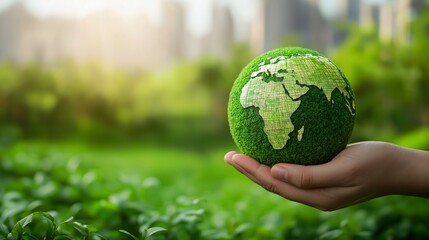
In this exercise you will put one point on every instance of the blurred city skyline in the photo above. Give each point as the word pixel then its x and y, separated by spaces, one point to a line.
pixel 196 12
pixel 152 34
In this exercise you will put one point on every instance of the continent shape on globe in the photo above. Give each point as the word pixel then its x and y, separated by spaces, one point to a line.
pixel 279 82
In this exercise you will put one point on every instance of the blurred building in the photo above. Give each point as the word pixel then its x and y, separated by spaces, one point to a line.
pixel 218 41
pixel 221 35
pixel 301 20
pixel 171 35
pixel 113 39
pixel 292 19
pixel 390 18
pixel 100 36
pixel 137 42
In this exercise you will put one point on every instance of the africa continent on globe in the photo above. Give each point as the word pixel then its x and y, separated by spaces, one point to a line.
pixel 291 105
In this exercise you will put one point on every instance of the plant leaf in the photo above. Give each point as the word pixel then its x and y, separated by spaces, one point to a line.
pixel 69 220
pixel 26 220
pixel 129 234
pixel 333 234
pixel 153 230
pixel 4 231
pixel 17 231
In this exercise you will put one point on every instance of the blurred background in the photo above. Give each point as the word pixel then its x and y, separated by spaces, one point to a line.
pixel 161 70
pixel 114 112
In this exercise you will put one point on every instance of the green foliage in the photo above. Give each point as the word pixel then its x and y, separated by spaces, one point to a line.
pixel 390 80
pixel 42 225
pixel 40 188
pixel 49 194
pixel 145 233
pixel 93 100
pixel 418 139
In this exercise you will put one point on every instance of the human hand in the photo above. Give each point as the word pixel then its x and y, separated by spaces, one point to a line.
pixel 360 172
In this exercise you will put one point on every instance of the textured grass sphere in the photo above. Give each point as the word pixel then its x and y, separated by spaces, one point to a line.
pixel 291 105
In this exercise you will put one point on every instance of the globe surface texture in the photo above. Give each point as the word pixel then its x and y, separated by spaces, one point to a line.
pixel 291 105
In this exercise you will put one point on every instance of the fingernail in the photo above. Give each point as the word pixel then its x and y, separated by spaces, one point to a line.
pixel 228 155
pixel 234 157
pixel 279 172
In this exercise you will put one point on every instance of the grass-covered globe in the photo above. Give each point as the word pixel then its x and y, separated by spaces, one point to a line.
pixel 291 105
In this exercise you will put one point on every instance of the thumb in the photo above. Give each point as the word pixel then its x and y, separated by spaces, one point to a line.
pixel 325 175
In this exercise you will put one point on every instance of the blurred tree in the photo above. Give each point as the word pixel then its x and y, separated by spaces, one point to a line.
pixel 390 81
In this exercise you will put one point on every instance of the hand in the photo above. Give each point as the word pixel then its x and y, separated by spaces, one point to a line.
pixel 360 172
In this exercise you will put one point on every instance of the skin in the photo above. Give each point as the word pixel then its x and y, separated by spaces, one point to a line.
pixel 361 172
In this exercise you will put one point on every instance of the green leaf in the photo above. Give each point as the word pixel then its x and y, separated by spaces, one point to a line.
pixel 33 237
pixel 69 220
pixel 99 236
pixel 26 220
pixel 47 216
pixel 17 231
pixel 153 230
pixel 129 234
pixel 242 228
pixel 333 234
pixel 4 231
pixel 51 231
pixel 64 237
pixel 82 229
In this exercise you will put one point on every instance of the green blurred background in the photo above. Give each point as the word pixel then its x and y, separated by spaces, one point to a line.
pixel 141 87
pixel 55 85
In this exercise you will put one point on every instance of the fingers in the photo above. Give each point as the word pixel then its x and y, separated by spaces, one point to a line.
pixel 326 187
pixel 228 156
pixel 329 174
pixel 257 172
pixel 261 174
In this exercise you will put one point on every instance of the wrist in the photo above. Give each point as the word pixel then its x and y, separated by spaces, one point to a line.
pixel 412 174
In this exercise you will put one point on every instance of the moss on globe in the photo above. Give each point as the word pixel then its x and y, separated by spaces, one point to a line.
pixel 291 105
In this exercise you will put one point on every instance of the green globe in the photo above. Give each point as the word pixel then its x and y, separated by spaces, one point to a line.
pixel 291 105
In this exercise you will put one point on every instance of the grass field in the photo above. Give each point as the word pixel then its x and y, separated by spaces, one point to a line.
pixel 185 194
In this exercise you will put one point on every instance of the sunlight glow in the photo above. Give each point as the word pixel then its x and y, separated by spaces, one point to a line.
pixel 83 8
